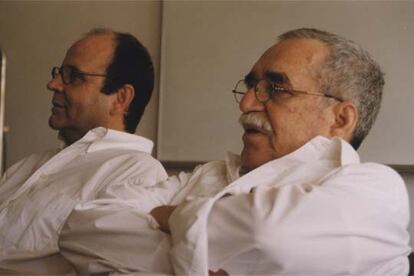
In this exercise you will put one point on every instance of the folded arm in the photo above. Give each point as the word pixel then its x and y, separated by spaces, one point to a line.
pixel 354 222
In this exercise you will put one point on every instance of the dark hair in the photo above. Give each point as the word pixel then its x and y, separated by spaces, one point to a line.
pixel 131 64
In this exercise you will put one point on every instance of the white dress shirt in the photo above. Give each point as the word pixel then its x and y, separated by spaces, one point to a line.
pixel 38 193
pixel 317 211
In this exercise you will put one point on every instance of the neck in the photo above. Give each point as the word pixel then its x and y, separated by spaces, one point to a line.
pixel 70 136
pixel 243 170
pixel 117 124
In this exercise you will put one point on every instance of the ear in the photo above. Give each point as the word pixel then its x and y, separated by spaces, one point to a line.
pixel 346 118
pixel 123 98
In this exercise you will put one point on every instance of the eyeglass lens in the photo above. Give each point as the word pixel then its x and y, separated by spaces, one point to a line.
pixel 263 90
pixel 55 71
pixel 65 72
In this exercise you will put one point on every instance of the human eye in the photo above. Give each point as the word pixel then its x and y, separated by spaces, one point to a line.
pixel 278 91
pixel 76 76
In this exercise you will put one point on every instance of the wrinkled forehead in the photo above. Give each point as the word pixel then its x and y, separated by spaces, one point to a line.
pixel 91 54
pixel 297 60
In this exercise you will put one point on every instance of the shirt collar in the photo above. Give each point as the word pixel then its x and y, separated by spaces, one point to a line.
pixel 323 148
pixel 101 138
pixel 318 148
pixel 109 138
pixel 233 165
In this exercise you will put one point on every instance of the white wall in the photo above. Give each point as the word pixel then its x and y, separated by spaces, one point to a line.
pixel 35 36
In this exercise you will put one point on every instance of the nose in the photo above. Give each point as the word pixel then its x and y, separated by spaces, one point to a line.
pixel 55 84
pixel 249 102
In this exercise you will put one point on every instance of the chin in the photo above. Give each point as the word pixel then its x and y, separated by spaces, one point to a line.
pixel 54 124
pixel 251 160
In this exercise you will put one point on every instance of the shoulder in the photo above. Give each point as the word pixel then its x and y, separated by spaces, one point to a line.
pixel 28 165
pixel 34 160
pixel 369 172
pixel 140 158
pixel 371 182
pixel 142 163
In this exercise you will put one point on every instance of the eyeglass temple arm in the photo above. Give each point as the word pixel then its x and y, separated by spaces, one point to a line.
pixel 237 92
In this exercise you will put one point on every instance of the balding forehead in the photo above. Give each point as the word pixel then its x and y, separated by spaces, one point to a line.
pixel 93 52
pixel 100 42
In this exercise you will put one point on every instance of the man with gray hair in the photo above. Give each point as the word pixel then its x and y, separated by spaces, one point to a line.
pixel 298 201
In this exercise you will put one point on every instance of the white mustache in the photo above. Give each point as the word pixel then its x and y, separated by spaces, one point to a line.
pixel 254 120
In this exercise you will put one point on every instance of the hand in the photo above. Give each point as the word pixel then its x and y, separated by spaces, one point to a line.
pixel 161 215
pixel 219 272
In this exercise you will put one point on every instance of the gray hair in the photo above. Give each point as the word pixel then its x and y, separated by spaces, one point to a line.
pixel 350 74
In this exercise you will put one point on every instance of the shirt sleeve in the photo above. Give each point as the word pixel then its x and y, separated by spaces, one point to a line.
pixel 113 236
pixel 353 222
pixel 115 233
pixel 132 181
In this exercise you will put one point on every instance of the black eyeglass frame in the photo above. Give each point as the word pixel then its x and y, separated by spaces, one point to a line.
pixel 59 70
pixel 277 88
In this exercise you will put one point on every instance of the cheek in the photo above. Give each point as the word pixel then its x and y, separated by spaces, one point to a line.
pixel 77 106
pixel 283 120
pixel 278 113
pixel 292 128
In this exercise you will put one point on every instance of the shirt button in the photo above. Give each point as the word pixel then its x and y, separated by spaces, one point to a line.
pixel 307 189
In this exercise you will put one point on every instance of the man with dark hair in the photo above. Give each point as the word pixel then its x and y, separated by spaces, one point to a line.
pixel 131 64
pixel 297 201
pixel 99 95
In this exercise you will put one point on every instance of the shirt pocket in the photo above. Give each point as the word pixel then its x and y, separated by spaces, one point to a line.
pixel 35 220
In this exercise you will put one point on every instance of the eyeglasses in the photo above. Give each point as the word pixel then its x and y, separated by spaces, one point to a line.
pixel 265 90
pixel 72 75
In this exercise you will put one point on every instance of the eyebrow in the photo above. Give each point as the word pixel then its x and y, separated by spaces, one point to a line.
pixel 273 76
pixel 250 78
pixel 277 77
